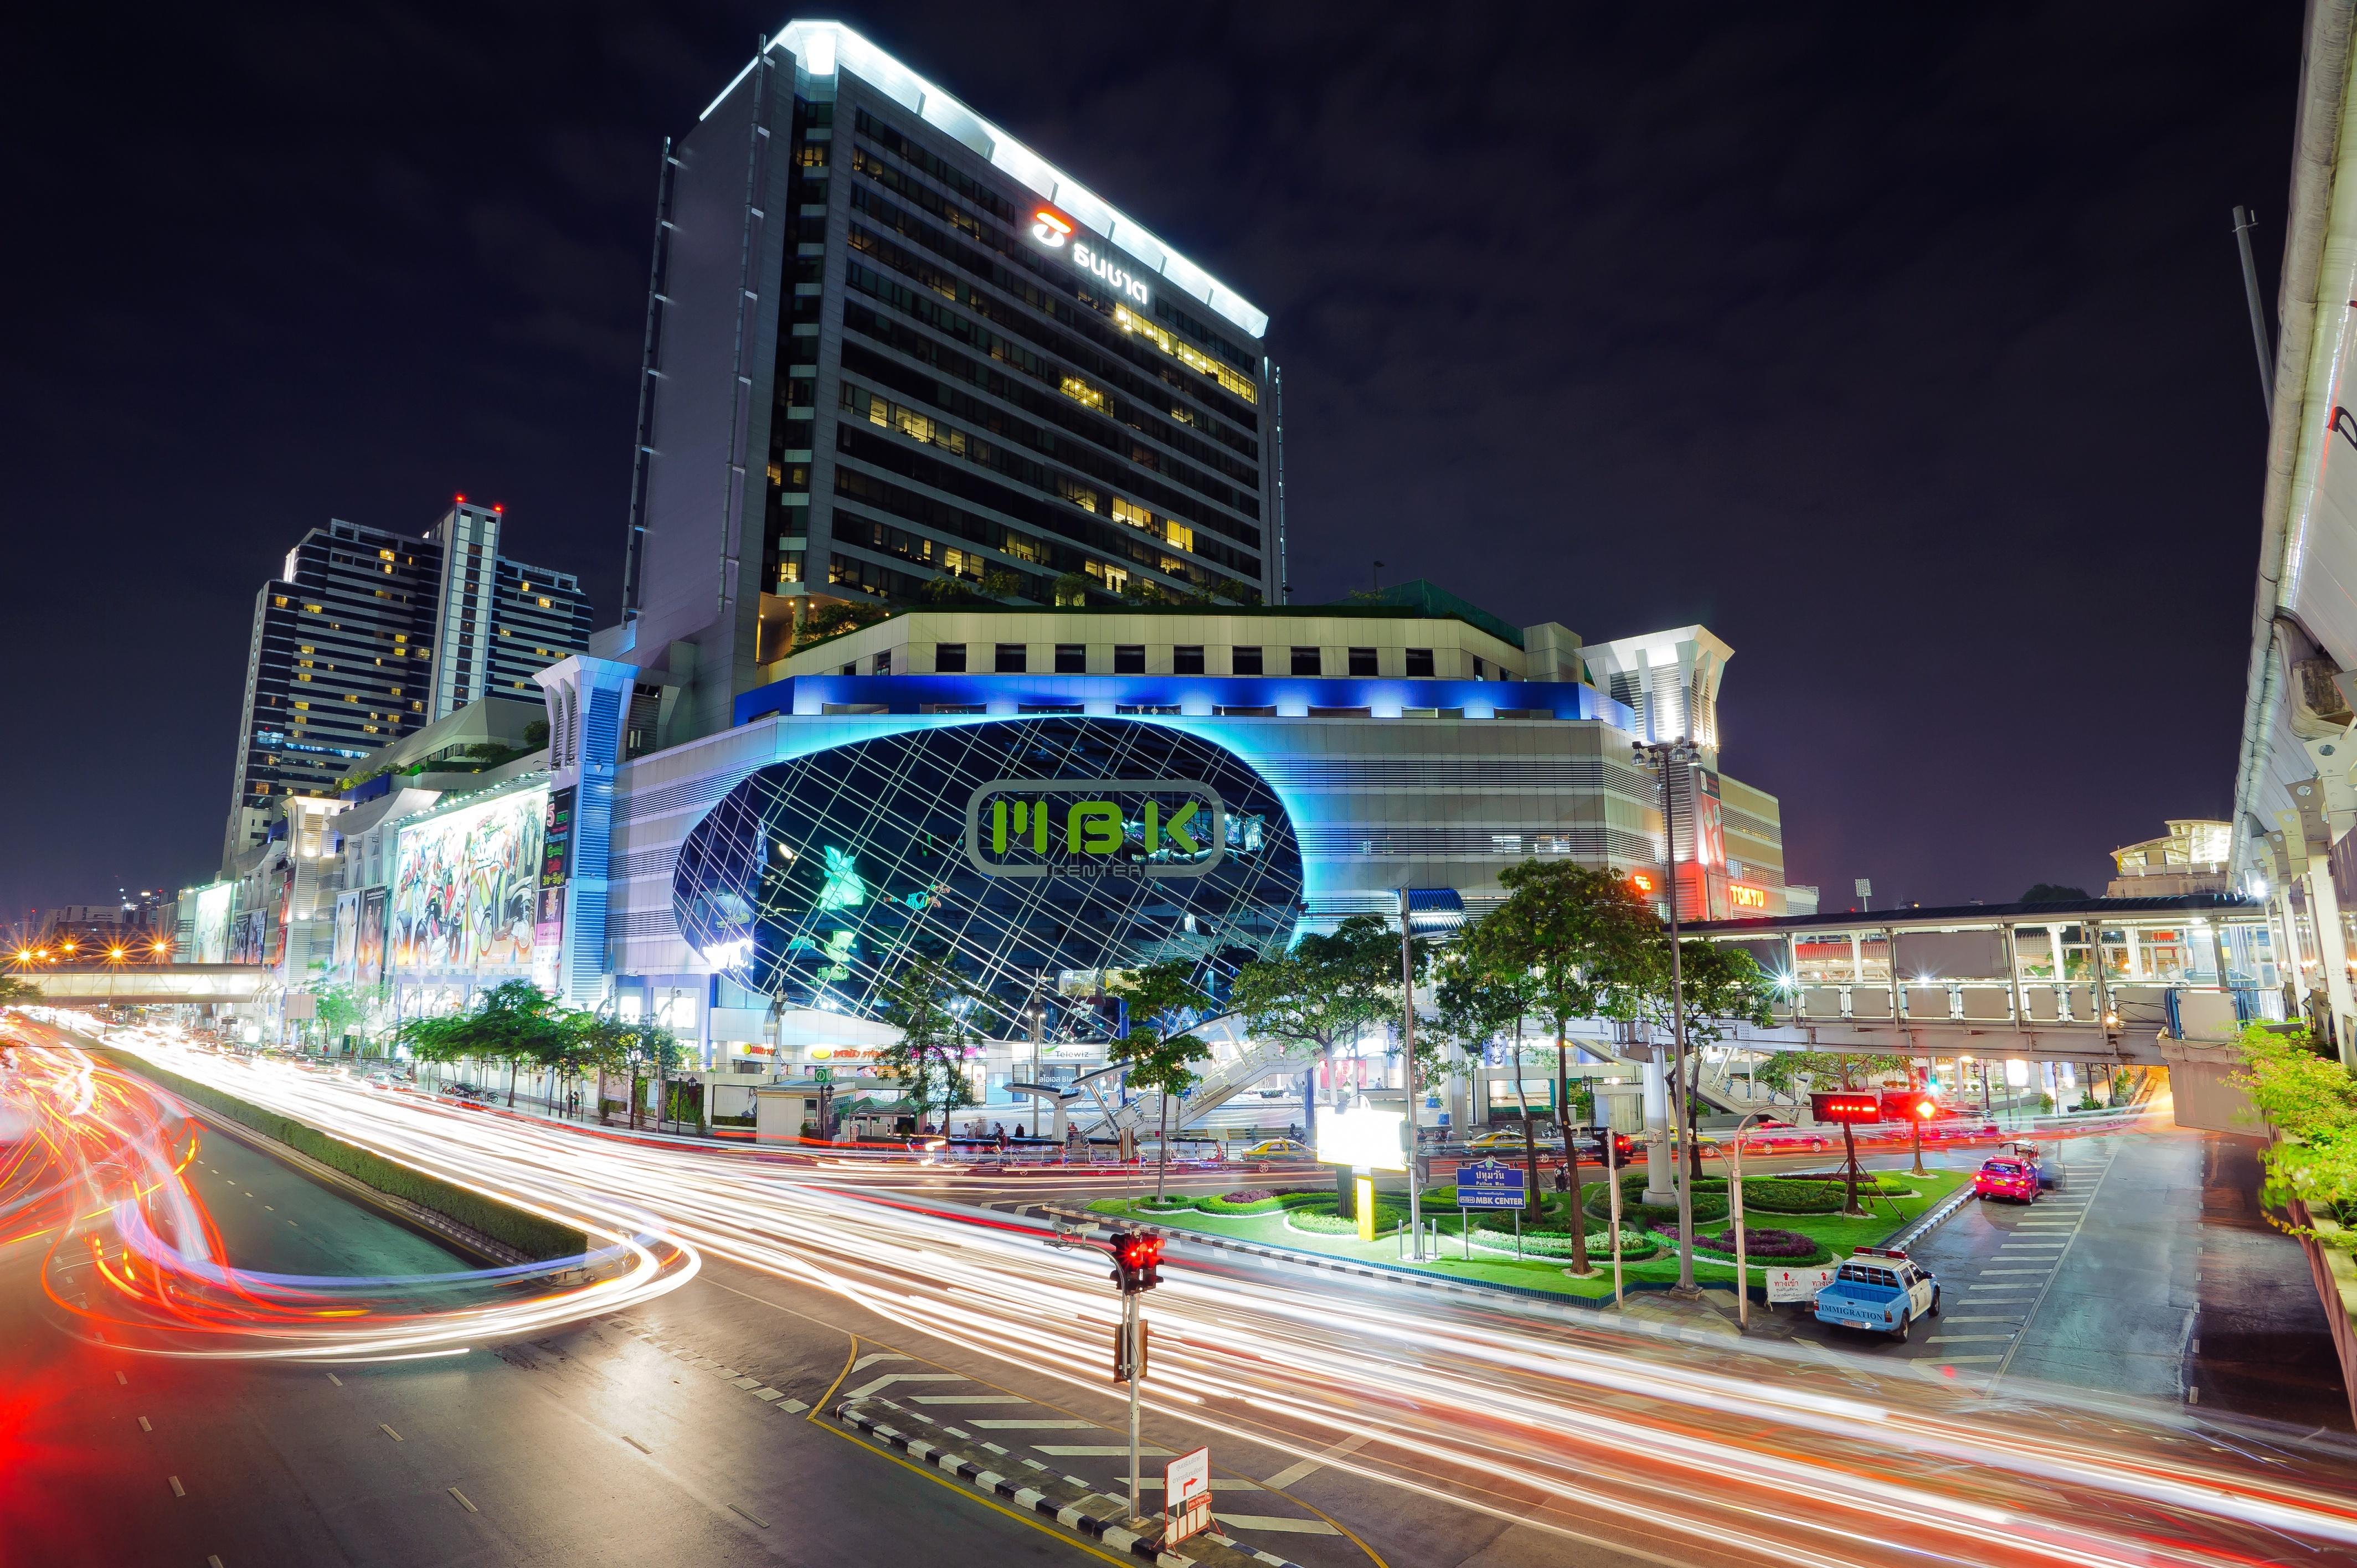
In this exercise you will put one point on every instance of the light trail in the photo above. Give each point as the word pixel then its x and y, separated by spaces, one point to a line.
pixel 1734 1452
pixel 95 1161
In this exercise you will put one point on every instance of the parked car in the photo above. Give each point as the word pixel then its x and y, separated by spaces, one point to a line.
pixel 1880 1289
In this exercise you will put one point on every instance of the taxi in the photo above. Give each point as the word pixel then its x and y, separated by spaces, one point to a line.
pixel 1277 1149
pixel 2007 1176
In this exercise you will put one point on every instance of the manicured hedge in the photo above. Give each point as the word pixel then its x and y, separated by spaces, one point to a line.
pixel 1785 1247
pixel 1779 1197
pixel 1635 1245
pixel 1706 1206
pixel 528 1233
pixel 1173 1204
pixel 1327 1222
pixel 1261 1202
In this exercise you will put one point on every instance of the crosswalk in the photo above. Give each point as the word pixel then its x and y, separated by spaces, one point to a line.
pixel 1985 1309
pixel 1018 1428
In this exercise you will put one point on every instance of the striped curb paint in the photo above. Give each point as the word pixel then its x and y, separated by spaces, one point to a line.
pixel 1119 1538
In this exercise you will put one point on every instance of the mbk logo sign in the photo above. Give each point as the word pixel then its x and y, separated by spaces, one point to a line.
pixel 1095 828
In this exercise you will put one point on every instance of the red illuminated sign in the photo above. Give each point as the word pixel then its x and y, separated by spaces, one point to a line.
pixel 1642 881
pixel 1856 1107
pixel 1051 228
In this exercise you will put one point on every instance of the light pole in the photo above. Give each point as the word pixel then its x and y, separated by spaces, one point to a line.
pixel 1742 1269
pixel 1658 756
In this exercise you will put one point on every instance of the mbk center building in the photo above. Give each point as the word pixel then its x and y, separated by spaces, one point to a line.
pixel 890 349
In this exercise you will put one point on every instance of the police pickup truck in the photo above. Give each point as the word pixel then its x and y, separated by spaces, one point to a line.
pixel 1880 1289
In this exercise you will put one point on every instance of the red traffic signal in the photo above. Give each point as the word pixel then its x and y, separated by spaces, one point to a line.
pixel 1857 1107
pixel 1909 1105
pixel 1136 1260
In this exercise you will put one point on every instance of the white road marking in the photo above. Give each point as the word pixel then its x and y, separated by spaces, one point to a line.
pixel 1057 1424
pixel 463 1501
pixel 876 1356
pixel 390 1431
pixel 967 1399
pixel 144 1426
pixel 125 1381
pixel 177 1490
pixel 1284 1526
pixel 1968 1339
pixel 863 1390
pixel 757 1518
pixel 1295 1472
pixel 335 1380
pixel 1097 1451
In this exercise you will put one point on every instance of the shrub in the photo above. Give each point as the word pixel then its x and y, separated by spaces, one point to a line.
pixel 1792 1196
pixel 1171 1205
pixel 1327 1222
pixel 1257 1201
pixel 1782 1246
pixel 1635 1245
pixel 1706 1206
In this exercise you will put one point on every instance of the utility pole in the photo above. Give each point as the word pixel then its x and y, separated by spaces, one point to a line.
pixel 2243 224
pixel 1660 756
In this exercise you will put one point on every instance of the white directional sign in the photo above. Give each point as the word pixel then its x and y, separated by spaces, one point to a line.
pixel 1187 1496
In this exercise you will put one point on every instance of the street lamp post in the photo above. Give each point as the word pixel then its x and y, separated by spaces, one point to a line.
pixel 1437 909
pixel 1742 1268
pixel 1658 756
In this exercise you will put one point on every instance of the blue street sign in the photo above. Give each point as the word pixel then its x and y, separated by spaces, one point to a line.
pixel 1489 1184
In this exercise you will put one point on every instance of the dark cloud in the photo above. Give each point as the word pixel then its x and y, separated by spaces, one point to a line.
pixel 1904 348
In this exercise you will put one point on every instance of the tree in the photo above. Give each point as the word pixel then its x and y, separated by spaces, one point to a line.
pixel 637 1049
pixel 927 1004
pixel 1071 589
pixel 340 1010
pixel 1325 991
pixel 17 992
pixel 1791 1072
pixel 2054 893
pixel 513 1023
pixel 998 583
pixel 1587 941
pixel 1159 1052
pixel 1479 1002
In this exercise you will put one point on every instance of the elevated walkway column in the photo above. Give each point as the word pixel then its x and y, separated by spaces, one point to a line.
pixel 1658 1159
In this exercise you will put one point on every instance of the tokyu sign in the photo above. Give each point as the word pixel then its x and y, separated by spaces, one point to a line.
pixel 1095 828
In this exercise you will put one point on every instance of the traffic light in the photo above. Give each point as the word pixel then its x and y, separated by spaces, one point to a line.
pixel 1136 1260
pixel 1909 1105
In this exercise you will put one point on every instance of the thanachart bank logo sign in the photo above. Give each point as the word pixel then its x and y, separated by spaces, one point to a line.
pixel 1095 828
pixel 1054 231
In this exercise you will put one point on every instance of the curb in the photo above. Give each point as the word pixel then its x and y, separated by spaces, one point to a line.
pixel 1068 1515
pixel 1924 1224
pixel 1341 1266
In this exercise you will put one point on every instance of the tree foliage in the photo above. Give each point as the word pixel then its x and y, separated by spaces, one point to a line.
pixel 1326 991
pixel 927 1004
pixel 16 991
pixel 1799 1072
pixel 2311 1101
pixel 1159 1050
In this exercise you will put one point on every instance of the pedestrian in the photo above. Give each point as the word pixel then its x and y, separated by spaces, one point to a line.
pixel 1018 1130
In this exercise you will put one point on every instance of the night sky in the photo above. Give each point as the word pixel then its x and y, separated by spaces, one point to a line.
pixel 1905 348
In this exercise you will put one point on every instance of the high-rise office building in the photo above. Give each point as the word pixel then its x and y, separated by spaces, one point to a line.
pixel 887 344
pixel 368 636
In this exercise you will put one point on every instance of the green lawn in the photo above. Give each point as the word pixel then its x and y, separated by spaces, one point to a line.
pixel 1839 1234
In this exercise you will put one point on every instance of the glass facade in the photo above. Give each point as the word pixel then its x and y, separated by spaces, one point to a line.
pixel 1017 850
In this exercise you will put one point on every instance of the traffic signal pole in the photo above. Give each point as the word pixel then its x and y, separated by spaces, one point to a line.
pixel 1129 1324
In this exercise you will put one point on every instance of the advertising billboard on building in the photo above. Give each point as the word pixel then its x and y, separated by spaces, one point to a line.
pixel 368 964
pixel 212 923
pixel 343 963
pixel 462 902
pixel 556 871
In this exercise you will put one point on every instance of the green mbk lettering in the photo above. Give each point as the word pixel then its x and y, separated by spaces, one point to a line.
pixel 1093 827
pixel 998 827
pixel 1177 828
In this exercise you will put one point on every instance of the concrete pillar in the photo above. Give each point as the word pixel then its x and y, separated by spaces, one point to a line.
pixel 1657 1161
pixel 2332 957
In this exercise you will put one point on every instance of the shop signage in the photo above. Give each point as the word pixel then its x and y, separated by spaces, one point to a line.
pixel 1051 231
pixel 1100 828
pixel 1747 898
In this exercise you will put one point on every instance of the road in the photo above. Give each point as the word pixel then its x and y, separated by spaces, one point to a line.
pixel 583 1446
pixel 2146 1271
pixel 1495 1434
